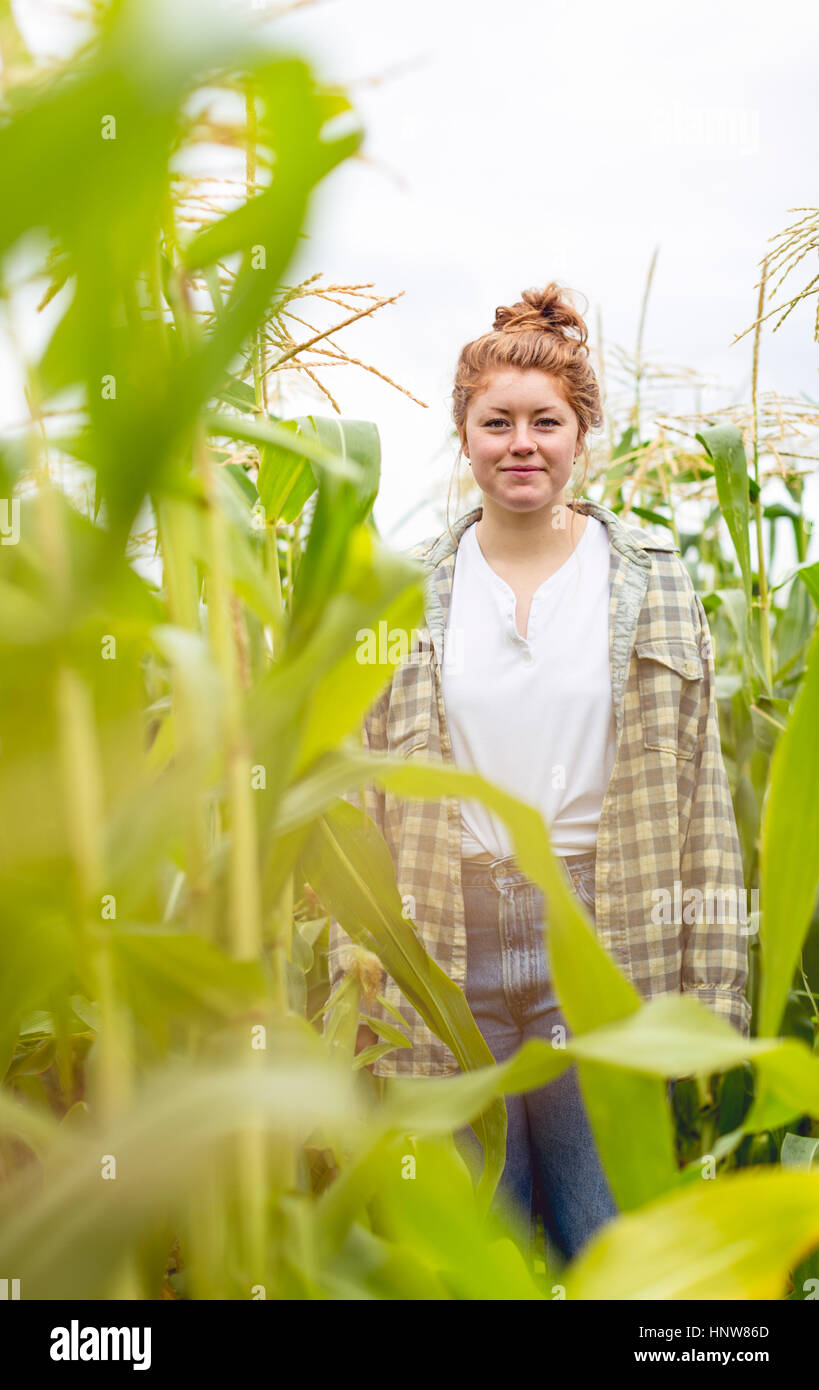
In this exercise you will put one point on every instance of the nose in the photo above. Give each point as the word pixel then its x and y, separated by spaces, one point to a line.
pixel 522 441
pixel 522 444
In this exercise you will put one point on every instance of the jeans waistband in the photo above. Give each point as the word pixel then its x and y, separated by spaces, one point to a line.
pixel 487 870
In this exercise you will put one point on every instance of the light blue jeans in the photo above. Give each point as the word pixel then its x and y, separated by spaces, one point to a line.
pixel 552 1163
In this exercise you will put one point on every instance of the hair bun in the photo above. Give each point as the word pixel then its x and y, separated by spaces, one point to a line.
pixel 542 311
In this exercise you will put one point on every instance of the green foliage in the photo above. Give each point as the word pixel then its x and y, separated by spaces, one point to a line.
pixel 173 751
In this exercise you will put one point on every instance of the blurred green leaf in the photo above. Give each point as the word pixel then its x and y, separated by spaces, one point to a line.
pixel 790 832
pixel 67 1239
pixel 699 1243
pixel 182 975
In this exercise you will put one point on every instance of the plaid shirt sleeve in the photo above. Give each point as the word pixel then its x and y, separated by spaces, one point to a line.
pixel 340 957
pixel 715 949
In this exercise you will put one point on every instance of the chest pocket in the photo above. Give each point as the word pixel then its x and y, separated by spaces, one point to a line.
pixel 669 673
pixel 410 710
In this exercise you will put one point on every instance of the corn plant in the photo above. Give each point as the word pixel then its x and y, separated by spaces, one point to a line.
pixel 182 1110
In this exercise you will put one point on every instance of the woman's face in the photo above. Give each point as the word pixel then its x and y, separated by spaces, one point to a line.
pixel 521 438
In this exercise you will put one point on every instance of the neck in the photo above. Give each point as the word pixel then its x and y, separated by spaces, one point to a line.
pixel 507 535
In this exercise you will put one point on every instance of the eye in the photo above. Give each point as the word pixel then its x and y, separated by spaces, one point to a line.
pixel 544 419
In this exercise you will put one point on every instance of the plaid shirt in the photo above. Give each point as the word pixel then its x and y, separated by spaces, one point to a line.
pixel 666 821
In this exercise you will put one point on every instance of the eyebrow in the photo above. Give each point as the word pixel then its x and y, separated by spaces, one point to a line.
pixel 539 411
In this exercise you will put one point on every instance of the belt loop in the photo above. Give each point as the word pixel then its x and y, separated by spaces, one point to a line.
pixel 506 909
pixel 494 865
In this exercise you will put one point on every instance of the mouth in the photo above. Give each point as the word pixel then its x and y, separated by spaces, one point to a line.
pixel 523 469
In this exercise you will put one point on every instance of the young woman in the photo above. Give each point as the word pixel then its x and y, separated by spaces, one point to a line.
pixel 565 657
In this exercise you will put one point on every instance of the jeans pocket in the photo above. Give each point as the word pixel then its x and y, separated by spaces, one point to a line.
pixel 583 880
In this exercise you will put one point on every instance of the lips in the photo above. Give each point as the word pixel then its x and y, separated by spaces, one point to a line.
pixel 523 470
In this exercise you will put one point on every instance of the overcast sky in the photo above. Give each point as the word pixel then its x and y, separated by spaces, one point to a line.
pixel 528 141
pixel 513 143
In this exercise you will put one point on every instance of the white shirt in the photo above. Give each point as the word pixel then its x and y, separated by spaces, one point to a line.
pixel 532 714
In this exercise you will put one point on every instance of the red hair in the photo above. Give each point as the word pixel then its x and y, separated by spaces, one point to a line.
pixel 543 330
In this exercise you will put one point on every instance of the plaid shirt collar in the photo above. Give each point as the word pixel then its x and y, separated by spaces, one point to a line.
pixel 630 565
